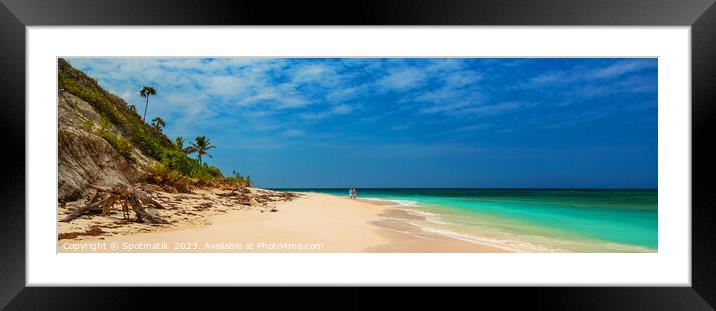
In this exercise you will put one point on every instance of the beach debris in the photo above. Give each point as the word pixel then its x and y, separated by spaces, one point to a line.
pixel 126 196
pixel 205 205
pixel 240 197
pixel 271 210
pixel 93 231
pixel 264 197
pixel 142 199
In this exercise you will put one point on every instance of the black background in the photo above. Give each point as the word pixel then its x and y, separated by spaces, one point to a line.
pixel 15 15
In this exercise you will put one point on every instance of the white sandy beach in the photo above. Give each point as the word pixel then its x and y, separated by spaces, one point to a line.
pixel 311 223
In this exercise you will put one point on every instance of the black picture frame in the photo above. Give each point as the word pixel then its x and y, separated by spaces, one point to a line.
pixel 15 15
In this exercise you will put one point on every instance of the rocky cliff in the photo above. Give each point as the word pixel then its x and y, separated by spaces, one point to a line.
pixel 91 148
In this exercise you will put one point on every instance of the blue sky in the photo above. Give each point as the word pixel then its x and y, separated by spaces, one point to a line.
pixel 371 122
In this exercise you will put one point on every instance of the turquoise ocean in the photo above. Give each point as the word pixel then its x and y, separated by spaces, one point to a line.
pixel 531 220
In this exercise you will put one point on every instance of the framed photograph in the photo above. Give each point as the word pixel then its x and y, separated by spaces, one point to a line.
pixel 543 144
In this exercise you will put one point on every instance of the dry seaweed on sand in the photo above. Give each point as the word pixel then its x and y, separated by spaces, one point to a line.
pixel 265 197
pixel 241 197
pixel 93 231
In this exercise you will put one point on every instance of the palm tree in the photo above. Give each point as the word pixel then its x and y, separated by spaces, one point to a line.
pixel 158 123
pixel 201 145
pixel 145 92
pixel 179 142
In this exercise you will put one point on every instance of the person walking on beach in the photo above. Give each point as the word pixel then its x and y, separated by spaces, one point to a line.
pixel 355 194
pixel 350 193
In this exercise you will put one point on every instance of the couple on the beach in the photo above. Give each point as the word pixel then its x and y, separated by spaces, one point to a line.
pixel 352 193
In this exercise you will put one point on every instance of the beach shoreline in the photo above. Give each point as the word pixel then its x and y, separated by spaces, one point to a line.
pixel 312 222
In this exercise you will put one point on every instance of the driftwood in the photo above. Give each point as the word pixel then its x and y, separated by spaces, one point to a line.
pixel 105 198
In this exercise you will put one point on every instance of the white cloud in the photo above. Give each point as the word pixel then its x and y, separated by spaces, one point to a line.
pixel 311 73
pixel 403 79
pixel 445 65
pixel 447 99
pixel 613 70
pixel 548 78
pixel 337 110
pixel 458 88
pixel 223 85
pixel 621 68
pixel 245 81
pixel 447 107
pixel 291 102
pixel 342 93
pixel 462 79
pixel 493 109
pixel 342 109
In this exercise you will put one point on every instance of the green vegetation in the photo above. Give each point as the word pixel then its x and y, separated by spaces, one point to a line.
pixel 246 181
pixel 179 142
pixel 121 145
pixel 88 125
pixel 158 123
pixel 176 165
pixel 104 123
pixel 201 146
pixel 172 157
pixel 163 175
pixel 94 97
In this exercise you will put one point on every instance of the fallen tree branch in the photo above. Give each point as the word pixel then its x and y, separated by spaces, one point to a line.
pixel 126 196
